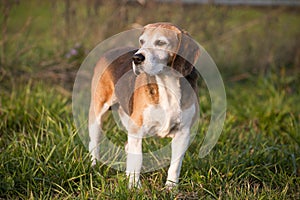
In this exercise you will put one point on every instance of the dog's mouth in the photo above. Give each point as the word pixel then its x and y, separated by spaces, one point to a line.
pixel 136 70
pixel 151 71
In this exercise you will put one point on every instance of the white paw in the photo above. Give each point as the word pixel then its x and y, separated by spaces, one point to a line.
pixel 135 185
pixel 94 162
pixel 133 180
pixel 170 185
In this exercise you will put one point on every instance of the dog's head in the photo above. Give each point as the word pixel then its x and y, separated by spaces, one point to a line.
pixel 165 45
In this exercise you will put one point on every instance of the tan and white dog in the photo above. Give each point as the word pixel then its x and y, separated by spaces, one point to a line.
pixel 154 97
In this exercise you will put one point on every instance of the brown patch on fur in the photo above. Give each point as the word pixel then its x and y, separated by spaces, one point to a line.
pixel 109 69
pixel 146 93
pixel 187 54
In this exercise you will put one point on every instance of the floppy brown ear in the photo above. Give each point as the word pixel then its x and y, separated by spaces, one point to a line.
pixel 187 54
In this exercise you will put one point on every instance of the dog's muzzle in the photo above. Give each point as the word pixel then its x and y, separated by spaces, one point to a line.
pixel 137 59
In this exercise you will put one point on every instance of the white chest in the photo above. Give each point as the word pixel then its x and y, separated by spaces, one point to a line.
pixel 161 118
pixel 164 118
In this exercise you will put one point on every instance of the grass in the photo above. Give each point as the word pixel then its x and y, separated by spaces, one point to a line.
pixel 257 155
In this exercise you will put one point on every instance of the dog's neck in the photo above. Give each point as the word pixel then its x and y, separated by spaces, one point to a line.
pixel 146 86
pixel 153 88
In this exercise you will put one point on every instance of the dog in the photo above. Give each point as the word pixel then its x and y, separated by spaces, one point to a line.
pixel 154 98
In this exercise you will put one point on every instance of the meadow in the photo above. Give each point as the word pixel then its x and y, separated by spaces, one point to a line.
pixel 256 49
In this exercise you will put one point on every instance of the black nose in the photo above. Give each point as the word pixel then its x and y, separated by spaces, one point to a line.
pixel 138 58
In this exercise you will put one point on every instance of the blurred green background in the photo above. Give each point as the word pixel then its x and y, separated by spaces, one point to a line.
pixel 37 35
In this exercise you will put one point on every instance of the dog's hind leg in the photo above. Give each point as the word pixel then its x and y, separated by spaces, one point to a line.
pixel 95 122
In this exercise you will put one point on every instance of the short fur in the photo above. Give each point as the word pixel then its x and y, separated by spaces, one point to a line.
pixel 146 90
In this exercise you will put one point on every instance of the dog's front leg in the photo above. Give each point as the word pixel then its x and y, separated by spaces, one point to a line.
pixel 134 160
pixel 180 144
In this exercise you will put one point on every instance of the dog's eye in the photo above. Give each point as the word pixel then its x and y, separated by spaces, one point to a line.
pixel 160 42
pixel 142 41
